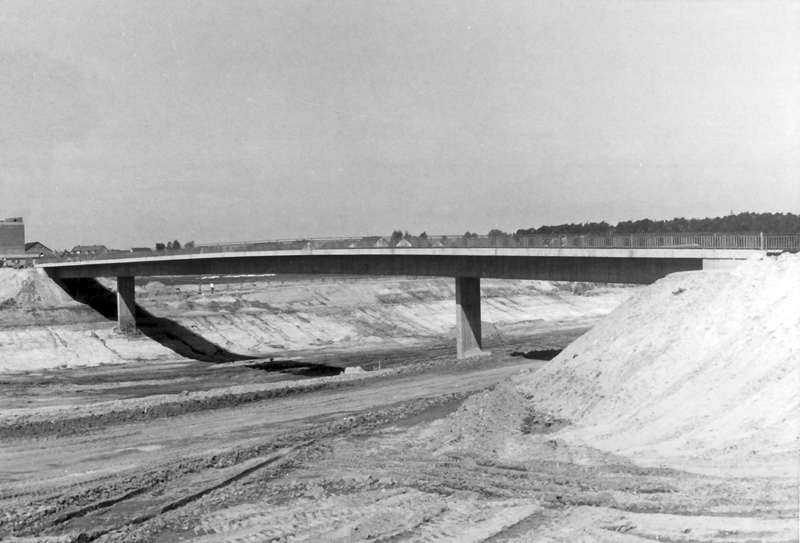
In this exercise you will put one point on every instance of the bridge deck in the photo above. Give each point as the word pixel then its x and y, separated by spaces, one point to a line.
pixel 563 264
pixel 467 264
pixel 117 259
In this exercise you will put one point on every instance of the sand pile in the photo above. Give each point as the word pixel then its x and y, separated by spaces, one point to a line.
pixel 699 371
pixel 699 365
pixel 30 287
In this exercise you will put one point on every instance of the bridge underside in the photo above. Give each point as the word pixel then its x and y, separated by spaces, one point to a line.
pixel 466 269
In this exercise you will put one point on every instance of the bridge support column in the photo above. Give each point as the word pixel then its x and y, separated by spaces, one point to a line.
pixel 126 304
pixel 468 316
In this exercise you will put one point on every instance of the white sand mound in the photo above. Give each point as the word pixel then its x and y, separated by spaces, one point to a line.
pixel 31 287
pixel 700 366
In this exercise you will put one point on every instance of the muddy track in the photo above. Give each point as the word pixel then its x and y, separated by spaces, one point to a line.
pixel 100 416
pixel 372 475
pixel 340 487
pixel 60 466
pixel 170 408
pixel 350 458
pixel 178 481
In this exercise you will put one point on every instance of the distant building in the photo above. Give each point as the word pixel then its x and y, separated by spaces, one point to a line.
pixel 12 236
pixel 36 248
pixel 12 242
pixel 89 250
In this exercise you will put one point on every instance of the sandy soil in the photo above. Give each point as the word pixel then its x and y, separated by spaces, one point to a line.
pixel 701 371
pixel 264 317
pixel 427 448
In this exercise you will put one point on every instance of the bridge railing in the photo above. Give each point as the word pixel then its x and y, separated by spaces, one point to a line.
pixel 782 242
pixel 749 240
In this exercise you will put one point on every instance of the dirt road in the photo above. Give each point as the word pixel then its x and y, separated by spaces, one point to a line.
pixel 110 438
pixel 346 458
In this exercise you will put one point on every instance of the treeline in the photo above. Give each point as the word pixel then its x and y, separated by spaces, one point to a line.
pixel 174 246
pixel 774 223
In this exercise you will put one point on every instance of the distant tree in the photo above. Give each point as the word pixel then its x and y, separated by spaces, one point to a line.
pixel 160 246
pixel 424 235
pixel 176 244
pixel 469 234
pixel 169 246
pixel 495 233
pixel 774 223
pixel 189 245
pixel 597 228
pixel 397 235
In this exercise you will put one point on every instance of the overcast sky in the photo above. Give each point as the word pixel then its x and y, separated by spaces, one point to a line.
pixel 127 123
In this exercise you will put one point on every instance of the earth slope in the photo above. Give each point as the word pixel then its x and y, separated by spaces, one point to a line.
pixel 42 327
pixel 700 370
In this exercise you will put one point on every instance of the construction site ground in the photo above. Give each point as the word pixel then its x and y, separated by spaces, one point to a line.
pixel 192 451
pixel 347 445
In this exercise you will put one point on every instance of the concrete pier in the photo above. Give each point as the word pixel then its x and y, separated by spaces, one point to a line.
pixel 126 304
pixel 468 316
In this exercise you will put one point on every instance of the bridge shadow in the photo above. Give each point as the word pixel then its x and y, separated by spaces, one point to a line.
pixel 168 333
pixel 298 368
pixel 541 354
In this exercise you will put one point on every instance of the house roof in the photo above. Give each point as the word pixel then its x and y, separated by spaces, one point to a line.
pixel 31 244
pixel 87 248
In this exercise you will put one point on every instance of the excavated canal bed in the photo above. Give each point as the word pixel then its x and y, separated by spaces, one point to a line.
pixel 408 444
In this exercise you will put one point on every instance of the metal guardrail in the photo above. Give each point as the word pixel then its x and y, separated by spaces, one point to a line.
pixel 754 241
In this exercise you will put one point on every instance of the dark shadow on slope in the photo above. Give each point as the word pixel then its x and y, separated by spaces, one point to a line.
pixel 544 354
pixel 168 333
pixel 299 368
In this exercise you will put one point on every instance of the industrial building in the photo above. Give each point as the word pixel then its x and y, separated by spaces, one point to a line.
pixel 12 242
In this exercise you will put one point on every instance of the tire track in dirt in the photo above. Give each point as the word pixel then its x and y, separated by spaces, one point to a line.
pixel 395 515
pixel 192 436
pixel 143 504
pixel 340 485
pixel 97 416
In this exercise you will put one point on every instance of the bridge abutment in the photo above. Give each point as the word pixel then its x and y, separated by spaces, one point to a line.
pixel 126 304
pixel 468 316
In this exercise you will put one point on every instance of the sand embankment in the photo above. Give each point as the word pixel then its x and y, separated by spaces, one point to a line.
pixel 42 327
pixel 700 370
pixel 370 313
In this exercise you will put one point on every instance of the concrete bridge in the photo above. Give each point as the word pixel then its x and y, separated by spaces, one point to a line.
pixel 466 264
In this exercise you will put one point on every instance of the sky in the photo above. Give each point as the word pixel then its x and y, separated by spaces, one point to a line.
pixel 127 123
